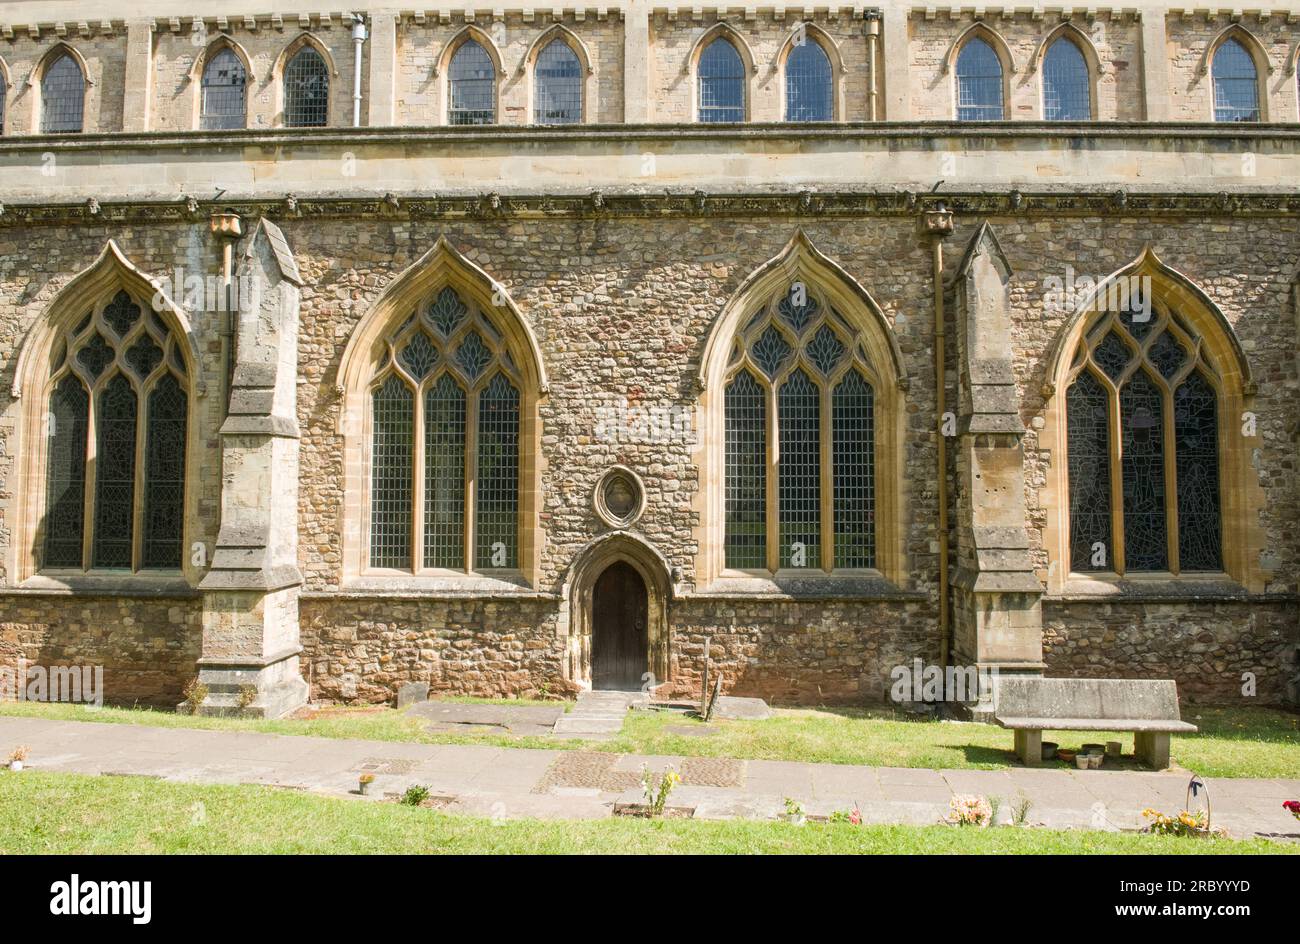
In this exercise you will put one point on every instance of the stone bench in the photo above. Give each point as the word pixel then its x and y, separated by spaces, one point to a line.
pixel 1148 707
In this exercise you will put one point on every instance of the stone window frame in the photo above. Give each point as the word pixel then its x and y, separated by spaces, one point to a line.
pixel 827 42
pixel 1001 49
pixel 5 86
pixel 442 70
pixel 89 100
pixel 1241 496
pixel 691 67
pixel 365 356
pixel 800 260
pixel 200 65
pixel 111 272
pixel 1293 69
pixel 1259 56
pixel 282 61
pixel 1067 31
pixel 528 67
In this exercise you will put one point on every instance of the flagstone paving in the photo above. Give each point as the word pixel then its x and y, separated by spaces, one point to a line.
pixel 505 782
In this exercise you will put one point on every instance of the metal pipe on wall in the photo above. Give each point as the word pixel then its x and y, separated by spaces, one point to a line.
pixel 358 38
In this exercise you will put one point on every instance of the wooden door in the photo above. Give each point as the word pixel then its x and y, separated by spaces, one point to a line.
pixel 619 641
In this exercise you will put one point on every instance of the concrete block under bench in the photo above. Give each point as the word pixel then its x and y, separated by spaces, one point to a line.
pixel 1147 707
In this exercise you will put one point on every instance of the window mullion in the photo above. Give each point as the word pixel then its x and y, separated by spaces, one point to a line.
pixel 92 468
pixel 137 512
pixel 773 477
pixel 827 474
pixel 471 478
pixel 418 498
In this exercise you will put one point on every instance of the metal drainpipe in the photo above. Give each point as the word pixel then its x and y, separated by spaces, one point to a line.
pixel 938 223
pixel 873 38
pixel 228 227
pixel 358 38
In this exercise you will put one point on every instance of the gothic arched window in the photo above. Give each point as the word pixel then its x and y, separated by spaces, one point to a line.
pixel 799 415
pixel 223 103
pixel 1142 445
pixel 306 90
pixel 722 82
pixel 444 482
pixel 1236 83
pixel 557 90
pixel 473 80
pixel 809 83
pixel 116 440
pixel 4 93
pixel 979 83
pixel 1067 89
pixel 63 97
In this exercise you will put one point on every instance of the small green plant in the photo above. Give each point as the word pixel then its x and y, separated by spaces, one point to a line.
pixel 1020 810
pixel 656 791
pixel 794 811
pixel 1186 823
pixel 416 795
pixel 195 694
pixel 995 804
pixel 852 817
pixel 247 695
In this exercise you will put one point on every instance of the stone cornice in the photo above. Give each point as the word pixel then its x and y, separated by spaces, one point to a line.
pixel 762 204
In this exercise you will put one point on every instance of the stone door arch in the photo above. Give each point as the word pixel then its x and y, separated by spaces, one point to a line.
pixel 579 588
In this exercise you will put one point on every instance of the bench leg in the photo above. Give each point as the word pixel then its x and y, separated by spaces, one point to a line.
pixel 1029 747
pixel 1152 748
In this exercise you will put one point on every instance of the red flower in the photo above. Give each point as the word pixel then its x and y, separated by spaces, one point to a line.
pixel 1293 806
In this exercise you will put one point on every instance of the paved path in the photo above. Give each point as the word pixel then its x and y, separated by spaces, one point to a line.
pixel 513 782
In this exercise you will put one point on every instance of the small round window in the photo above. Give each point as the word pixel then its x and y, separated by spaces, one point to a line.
pixel 620 499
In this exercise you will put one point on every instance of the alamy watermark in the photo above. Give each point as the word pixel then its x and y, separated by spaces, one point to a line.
pixel 919 682
pixel 1125 294
pixel 621 422
pixel 196 292
pixel 77 684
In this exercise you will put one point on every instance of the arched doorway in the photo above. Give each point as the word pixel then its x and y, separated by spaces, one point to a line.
pixel 620 645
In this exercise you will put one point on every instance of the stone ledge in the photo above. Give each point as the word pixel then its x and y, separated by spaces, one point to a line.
pixel 853 588
pixel 104 585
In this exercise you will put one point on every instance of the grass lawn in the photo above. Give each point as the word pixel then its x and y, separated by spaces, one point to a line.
pixel 1233 742
pixel 72 813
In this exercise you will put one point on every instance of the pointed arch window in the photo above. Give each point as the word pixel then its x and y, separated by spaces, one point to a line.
pixel 1067 89
pixel 722 82
pixel 306 90
pixel 979 83
pixel 4 94
pixel 558 85
pixel 800 420
pixel 445 430
pixel 1142 424
pixel 809 83
pixel 223 100
pixel 116 435
pixel 473 80
pixel 1236 83
pixel 63 97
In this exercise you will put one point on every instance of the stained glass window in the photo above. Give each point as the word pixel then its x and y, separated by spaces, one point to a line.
pixel 797 354
pixel 63 97
pixel 473 81
pixel 306 90
pixel 1236 83
pixel 746 473
pixel 448 381
pixel 809 84
pixel 979 83
pixel 722 83
pixel 117 374
pixel 558 85
pixel 1134 374
pixel 223 102
pixel 1067 94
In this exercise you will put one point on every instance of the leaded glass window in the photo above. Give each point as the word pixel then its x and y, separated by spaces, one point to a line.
pixel 809 84
pixel 223 103
pixel 63 97
pixel 473 85
pixel 979 83
pixel 1142 443
pixel 557 87
pixel 4 94
pixel 800 425
pixel 1067 90
pixel 446 381
pixel 306 90
pixel 115 497
pixel 1236 83
pixel 722 82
